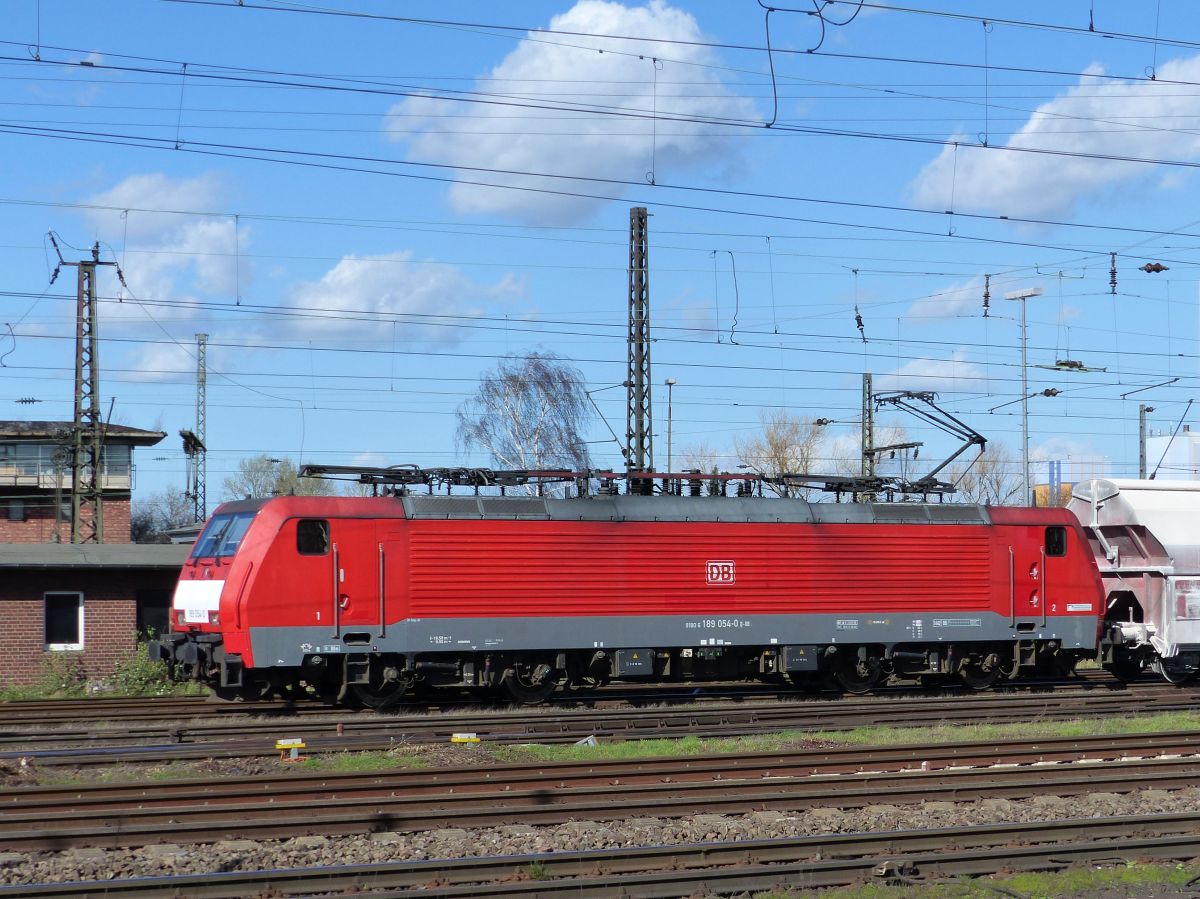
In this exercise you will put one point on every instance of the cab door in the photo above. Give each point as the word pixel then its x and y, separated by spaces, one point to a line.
pixel 1027 571
pixel 355 579
pixel 1038 573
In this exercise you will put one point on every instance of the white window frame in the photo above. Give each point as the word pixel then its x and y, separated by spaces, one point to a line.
pixel 63 647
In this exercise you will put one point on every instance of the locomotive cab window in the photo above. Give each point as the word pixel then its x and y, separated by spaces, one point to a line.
pixel 1056 541
pixel 222 535
pixel 312 537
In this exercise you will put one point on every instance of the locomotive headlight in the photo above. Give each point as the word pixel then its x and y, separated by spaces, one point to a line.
pixel 179 619
pixel 214 618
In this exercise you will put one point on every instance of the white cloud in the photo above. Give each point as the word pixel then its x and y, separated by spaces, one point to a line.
pixel 160 364
pixel 933 374
pixel 392 284
pixel 958 299
pixel 168 255
pixel 580 143
pixel 1137 122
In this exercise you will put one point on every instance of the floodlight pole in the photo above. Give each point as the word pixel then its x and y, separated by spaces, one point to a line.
pixel 1023 295
pixel 670 382
pixel 1142 410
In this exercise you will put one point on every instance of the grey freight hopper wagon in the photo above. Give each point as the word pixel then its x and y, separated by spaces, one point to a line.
pixel 1146 539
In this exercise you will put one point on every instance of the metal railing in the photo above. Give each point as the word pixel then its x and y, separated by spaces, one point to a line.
pixel 45 476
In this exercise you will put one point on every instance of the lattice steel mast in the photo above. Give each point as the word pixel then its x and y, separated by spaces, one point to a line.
pixel 200 483
pixel 87 427
pixel 639 439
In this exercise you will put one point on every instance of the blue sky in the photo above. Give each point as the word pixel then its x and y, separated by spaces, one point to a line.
pixel 363 213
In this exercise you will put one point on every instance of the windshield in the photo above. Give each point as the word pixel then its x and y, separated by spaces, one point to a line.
pixel 222 535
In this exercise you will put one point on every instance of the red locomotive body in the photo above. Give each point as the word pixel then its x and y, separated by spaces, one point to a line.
pixel 374 596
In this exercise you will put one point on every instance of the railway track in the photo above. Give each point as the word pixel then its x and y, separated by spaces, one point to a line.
pixel 200 739
pixel 714 868
pixel 503 777
pixel 16 713
pixel 123 816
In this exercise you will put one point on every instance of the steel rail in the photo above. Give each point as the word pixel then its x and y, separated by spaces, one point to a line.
pixel 158 708
pixel 336 733
pixel 505 777
pixel 682 870
pixel 265 818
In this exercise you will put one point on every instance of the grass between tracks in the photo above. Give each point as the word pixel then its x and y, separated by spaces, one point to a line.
pixel 482 754
pixel 862 736
pixel 1126 880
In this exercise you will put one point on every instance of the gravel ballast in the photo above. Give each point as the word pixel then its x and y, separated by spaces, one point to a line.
pixel 310 851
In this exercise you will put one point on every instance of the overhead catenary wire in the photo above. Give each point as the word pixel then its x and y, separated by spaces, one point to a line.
pixel 771 261
pixel 535 30
pixel 471 97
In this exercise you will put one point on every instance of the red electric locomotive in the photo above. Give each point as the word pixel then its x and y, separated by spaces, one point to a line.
pixel 368 598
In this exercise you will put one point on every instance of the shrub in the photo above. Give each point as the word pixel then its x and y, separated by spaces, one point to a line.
pixel 63 674
pixel 135 674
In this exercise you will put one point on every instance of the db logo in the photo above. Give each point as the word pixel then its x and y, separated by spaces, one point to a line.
pixel 720 571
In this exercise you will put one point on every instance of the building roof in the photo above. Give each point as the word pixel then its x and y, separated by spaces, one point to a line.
pixel 54 430
pixel 108 555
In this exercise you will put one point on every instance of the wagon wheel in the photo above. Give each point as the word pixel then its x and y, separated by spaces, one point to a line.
pixel 1174 673
pixel 855 675
pixel 528 687
pixel 980 675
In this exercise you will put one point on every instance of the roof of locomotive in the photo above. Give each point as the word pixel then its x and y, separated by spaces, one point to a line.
pixel 676 508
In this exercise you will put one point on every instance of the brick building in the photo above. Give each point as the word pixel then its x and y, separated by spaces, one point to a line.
pixel 35 480
pixel 87 600
pixel 84 603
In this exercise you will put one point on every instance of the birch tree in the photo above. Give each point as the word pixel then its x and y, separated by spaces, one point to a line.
pixel 527 414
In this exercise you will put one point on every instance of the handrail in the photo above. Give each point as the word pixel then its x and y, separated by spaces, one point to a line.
pixel 337 600
pixel 1012 588
pixel 382 619
pixel 1045 586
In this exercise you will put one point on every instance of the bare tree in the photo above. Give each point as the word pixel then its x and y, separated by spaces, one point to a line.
pixel 262 476
pixel 787 445
pixel 158 513
pixel 699 457
pixel 703 460
pixel 994 478
pixel 843 454
pixel 527 414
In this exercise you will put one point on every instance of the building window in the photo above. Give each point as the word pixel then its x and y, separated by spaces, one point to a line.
pixel 64 620
pixel 16 510
pixel 153 612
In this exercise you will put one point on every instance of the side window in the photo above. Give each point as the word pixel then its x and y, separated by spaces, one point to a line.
pixel 312 537
pixel 64 621
pixel 1056 541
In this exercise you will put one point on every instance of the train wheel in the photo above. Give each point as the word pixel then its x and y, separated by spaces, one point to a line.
pixel 855 675
pixel 1125 666
pixel 378 698
pixel 386 688
pixel 255 691
pixel 527 687
pixel 1174 673
pixel 979 675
